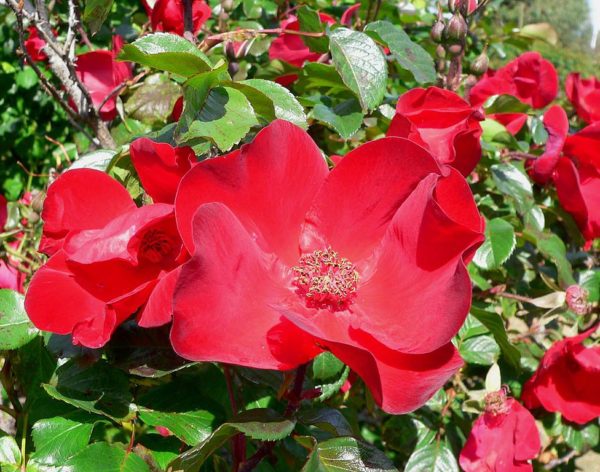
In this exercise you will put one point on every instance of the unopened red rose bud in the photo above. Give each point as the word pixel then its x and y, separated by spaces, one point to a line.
pixel 437 31
pixel 457 28
pixel 480 65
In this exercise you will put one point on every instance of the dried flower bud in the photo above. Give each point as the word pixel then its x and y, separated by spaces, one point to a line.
pixel 457 28
pixel 437 31
pixel 480 65
pixel 577 299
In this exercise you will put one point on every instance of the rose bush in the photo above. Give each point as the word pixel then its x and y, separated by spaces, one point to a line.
pixel 280 236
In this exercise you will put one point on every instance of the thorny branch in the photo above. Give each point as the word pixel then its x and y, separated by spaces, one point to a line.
pixel 61 61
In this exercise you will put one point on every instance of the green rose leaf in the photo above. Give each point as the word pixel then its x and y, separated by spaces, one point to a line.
pixel 347 454
pixel 482 350
pixel 58 439
pixel 168 52
pixel 361 64
pixel 345 117
pixel 436 457
pixel 105 457
pixel 15 328
pixel 310 22
pixel 259 423
pixel 409 55
pixel 494 323
pixel 500 242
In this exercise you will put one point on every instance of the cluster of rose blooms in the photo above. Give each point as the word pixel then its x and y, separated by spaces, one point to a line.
pixel 264 257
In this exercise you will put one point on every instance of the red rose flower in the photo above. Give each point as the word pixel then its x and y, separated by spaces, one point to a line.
pixel 567 380
pixel 290 48
pixel 101 74
pixel 584 94
pixel 177 109
pixel 160 167
pixel 466 7
pixel 34 45
pixel 366 261
pixel 573 165
pixel 167 15
pixel 442 122
pixel 349 14
pixel 110 258
pixel 503 439
pixel 530 78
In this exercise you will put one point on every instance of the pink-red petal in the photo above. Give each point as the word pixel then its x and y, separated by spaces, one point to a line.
pixel 269 184
pixel 223 300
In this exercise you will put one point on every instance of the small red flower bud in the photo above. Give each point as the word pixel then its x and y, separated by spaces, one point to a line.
pixel 480 65
pixel 440 52
pixel 455 49
pixel 437 31
pixel 457 28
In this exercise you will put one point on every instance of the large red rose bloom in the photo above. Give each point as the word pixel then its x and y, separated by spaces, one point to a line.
pixel 366 261
pixel 442 122
pixel 567 380
pixel 530 78
pixel 584 94
pixel 572 163
pixel 503 439
pixel 110 258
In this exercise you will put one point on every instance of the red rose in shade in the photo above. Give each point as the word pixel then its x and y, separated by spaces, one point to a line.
pixel 167 15
pixel 101 74
pixel 160 167
pixel 290 48
pixel 110 259
pixel 573 165
pixel 530 78
pixel 503 439
pixel 34 45
pixel 3 212
pixel 442 122
pixel 567 380
pixel 584 94
pixel 10 277
pixel 465 6
pixel 366 261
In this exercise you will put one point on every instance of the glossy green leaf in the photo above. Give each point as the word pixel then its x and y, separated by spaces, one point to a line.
pixel 15 328
pixel 271 100
pixel 191 427
pixel 260 423
pixel 58 439
pixel 361 65
pixel 407 53
pixel 99 389
pixel 500 242
pixel 329 389
pixel 105 457
pixel 554 249
pixel 168 52
pixel 494 323
pixel 515 184
pixel 327 419
pixel 225 118
pixel 504 104
pixel 436 457
pixel 345 117
pixel 482 350
pixel 325 366
pixel 311 23
pixel 347 454
pixel 98 160
pixel 95 13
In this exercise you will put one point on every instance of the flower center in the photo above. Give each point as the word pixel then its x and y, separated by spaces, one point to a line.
pixel 326 279
pixel 495 402
pixel 155 246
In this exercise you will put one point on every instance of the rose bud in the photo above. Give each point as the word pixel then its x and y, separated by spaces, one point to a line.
pixel 440 52
pixel 455 49
pixel 480 65
pixel 457 28
pixel 437 31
